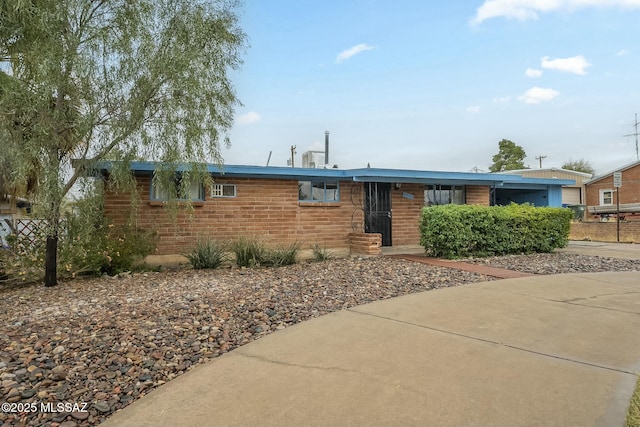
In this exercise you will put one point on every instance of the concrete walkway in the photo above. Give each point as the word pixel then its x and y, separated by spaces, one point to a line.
pixel 603 249
pixel 538 351
pixel 500 273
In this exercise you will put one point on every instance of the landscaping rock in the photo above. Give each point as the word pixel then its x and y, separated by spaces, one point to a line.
pixel 109 342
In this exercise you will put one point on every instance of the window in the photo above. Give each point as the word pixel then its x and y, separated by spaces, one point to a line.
pixel 606 197
pixel 318 191
pixel 444 195
pixel 223 190
pixel 195 191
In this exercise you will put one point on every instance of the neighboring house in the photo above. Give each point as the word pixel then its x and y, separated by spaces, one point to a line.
pixel 572 194
pixel 602 197
pixel 12 209
pixel 344 210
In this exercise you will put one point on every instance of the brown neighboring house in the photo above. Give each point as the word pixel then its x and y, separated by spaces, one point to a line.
pixel 602 197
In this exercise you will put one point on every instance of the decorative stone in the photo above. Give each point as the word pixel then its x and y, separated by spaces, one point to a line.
pixel 59 373
pixel 81 416
pixel 101 406
pixel 26 394
pixel 75 345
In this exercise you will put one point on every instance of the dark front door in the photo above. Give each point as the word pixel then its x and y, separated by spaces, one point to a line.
pixel 377 210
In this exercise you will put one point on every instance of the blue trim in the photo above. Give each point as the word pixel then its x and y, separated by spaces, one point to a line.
pixel 363 175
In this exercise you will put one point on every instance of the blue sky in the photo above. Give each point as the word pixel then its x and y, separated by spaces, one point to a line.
pixel 426 84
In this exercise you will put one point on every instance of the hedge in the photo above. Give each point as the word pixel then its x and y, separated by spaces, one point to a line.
pixel 453 231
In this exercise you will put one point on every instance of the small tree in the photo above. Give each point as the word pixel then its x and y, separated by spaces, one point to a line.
pixel 88 81
pixel 579 166
pixel 510 157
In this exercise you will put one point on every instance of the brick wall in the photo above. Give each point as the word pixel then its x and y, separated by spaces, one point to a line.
pixel 629 193
pixel 269 209
pixel 406 214
pixel 365 243
pixel 605 231
pixel 477 195
pixel 266 208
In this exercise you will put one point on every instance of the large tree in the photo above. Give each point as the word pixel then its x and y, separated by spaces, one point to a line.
pixel 93 80
pixel 579 166
pixel 510 157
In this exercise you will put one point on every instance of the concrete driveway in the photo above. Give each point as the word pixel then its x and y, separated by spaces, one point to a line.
pixel 539 351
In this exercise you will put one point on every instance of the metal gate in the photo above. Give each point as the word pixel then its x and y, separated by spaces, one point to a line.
pixel 377 210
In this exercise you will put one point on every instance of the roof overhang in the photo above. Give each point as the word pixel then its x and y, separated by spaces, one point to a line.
pixel 358 175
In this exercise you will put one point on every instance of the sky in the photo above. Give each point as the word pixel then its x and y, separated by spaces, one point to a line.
pixel 435 85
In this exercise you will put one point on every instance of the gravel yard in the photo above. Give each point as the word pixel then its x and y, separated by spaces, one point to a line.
pixel 106 342
pixel 556 263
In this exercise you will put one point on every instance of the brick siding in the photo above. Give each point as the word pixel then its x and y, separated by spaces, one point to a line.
pixel 629 192
pixel 269 209
pixel 406 212
pixel 265 208
pixel 605 231
pixel 477 195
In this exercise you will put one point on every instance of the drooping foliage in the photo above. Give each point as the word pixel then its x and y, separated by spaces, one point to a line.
pixel 82 81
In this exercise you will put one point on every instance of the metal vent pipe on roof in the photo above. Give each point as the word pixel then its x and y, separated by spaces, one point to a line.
pixel 326 147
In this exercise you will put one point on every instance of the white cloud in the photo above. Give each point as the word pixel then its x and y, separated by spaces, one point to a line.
pixel 530 9
pixel 533 73
pixel 502 99
pixel 474 109
pixel 348 53
pixel 622 52
pixel 536 95
pixel 248 118
pixel 574 64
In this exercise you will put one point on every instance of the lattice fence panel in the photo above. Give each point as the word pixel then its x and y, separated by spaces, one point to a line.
pixel 29 229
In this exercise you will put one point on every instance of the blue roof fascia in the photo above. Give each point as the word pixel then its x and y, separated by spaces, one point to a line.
pixel 279 172
pixel 426 181
pixel 372 174
pixel 452 178
pixel 360 175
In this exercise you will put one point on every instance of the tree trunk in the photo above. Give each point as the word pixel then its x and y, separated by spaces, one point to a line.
pixel 51 261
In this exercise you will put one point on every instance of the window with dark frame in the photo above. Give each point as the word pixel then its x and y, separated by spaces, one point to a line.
pixel 158 192
pixel 444 195
pixel 318 191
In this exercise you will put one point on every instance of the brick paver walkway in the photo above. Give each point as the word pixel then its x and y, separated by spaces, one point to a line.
pixel 500 273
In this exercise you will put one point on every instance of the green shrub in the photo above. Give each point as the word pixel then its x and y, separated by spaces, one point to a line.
pixel 127 247
pixel 208 253
pixel 282 255
pixel 87 245
pixel 452 231
pixel 252 252
pixel 321 254
pixel 249 252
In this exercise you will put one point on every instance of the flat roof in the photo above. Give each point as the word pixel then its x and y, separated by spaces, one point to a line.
pixel 359 175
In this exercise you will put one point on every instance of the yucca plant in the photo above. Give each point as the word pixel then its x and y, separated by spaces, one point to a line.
pixel 208 254
pixel 283 255
pixel 321 253
pixel 249 252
